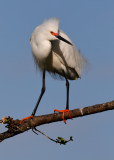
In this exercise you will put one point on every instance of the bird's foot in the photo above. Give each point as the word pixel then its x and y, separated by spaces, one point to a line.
pixel 26 118
pixel 66 110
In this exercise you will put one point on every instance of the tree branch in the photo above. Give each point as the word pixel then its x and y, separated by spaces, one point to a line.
pixel 15 128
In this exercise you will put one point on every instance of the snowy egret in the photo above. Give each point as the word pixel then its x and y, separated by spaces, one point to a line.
pixel 54 52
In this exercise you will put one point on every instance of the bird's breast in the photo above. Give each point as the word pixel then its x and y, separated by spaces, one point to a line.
pixel 41 51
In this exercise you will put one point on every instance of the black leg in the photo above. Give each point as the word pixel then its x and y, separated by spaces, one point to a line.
pixel 67 87
pixel 42 92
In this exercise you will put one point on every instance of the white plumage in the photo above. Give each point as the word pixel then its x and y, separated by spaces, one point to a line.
pixel 54 52
pixel 54 55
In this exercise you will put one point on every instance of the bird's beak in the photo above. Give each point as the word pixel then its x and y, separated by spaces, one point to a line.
pixel 61 38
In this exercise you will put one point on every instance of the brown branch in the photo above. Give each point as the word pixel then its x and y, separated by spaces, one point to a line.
pixel 15 128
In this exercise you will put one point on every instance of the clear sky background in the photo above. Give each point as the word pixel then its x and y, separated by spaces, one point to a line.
pixel 90 25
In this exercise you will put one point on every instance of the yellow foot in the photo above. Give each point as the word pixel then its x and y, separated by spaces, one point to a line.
pixel 26 118
pixel 66 110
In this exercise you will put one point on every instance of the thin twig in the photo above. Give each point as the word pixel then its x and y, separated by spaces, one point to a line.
pixel 51 138
pixel 34 131
pixel 45 135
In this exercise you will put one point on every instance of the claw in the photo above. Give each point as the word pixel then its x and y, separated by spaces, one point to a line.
pixel 26 118
pixel 66 110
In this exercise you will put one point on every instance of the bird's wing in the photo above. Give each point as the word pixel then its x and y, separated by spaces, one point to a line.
pixel 69 55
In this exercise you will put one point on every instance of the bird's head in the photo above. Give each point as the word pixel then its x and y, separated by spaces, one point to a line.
pixel 59 37
pixel 49 30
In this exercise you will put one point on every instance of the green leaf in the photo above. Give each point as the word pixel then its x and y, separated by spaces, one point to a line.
pixel 61 140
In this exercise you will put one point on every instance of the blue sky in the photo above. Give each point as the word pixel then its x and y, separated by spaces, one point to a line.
pixel 90 25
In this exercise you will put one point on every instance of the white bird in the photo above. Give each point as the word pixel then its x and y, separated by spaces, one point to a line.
pixel 54 52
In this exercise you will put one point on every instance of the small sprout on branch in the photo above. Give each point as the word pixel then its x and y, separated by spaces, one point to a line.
pixel 5 120
pixel 59 140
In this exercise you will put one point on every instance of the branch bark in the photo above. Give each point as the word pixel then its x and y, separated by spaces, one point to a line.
pixel 15 128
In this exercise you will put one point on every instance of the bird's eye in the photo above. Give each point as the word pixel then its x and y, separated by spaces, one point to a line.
pixel 51 32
